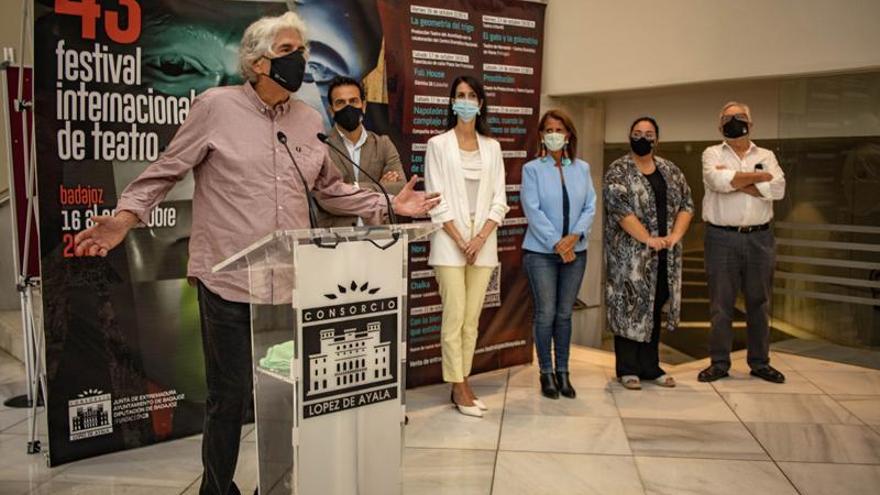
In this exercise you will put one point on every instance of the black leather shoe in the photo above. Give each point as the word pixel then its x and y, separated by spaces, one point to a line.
pixel 711 374
pixel 769 373
pixel 548 386
pixel 565 387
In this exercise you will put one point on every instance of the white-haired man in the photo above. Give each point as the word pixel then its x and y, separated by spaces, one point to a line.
pixel 245 188
pixel 742 181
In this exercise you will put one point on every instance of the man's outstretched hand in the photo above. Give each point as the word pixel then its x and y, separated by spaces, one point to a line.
pixel 412 203
pixel 109 231
pixel 105 235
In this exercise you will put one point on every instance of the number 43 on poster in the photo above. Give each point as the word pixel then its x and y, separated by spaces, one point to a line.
pixel 89 12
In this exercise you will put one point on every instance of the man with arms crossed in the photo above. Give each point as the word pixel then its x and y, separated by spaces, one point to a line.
pixel 742 181
pixel 374 153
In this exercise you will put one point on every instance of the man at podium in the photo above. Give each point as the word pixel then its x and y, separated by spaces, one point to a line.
pixel 256 160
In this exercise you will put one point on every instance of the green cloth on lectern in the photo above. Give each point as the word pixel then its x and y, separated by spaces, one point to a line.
pixel 278 357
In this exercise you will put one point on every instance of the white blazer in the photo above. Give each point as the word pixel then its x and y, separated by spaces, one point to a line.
pixel 443 174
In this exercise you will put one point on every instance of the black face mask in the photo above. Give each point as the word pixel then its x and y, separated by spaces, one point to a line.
pixel 735 128
pixel 349 118
pixel 289 70
pixel 641 146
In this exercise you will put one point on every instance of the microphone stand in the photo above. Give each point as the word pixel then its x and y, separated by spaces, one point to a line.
pixel 313 218
pixel 391 216
pixel 326 140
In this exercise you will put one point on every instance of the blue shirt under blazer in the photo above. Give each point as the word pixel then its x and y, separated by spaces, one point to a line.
pixel 541 198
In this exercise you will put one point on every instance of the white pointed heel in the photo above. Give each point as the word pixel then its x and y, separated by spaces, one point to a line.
pixel 479 403
pixel 469 410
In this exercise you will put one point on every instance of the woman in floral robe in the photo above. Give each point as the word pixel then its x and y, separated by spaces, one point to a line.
pixel 648 208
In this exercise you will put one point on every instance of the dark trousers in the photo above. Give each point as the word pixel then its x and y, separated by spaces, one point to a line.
pixel 642 359
pixel 737 261
pixel 226 340
pixel 554 286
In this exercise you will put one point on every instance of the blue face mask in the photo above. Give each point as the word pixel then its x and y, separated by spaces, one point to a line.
pixel 466 110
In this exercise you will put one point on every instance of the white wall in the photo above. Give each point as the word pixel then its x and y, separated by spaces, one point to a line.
pixel 691 113
pixel 594 46
pixel 800 107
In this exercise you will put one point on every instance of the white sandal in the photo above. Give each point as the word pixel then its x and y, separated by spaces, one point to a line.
pixel 665 381
pixel 631 382
pixel 479 403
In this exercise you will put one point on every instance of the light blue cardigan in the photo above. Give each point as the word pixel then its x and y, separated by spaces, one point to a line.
pixel 541 198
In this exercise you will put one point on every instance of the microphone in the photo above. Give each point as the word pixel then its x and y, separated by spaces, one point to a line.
pixel 326 140
pixel 313 219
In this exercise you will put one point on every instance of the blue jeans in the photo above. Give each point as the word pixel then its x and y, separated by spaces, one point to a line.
pixel 554 287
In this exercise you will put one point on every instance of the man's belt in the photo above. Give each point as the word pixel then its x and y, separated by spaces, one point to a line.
pixel 743 230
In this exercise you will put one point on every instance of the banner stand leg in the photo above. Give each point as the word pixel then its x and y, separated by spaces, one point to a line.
pixel 37 385
pixel 28 330
pixel 34 367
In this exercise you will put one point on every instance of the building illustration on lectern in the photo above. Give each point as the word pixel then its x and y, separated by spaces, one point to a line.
pixel 355 358
pixel 350 351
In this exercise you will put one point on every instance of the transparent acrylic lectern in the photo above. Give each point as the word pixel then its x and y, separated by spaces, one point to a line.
pixel 328 312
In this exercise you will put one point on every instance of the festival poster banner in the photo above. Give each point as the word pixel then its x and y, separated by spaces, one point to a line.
pixel 427 44
pixel 113 81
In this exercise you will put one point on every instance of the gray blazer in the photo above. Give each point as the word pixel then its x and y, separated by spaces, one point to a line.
pixel 378 156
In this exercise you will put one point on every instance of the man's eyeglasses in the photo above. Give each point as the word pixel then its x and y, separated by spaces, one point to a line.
pixel 738 116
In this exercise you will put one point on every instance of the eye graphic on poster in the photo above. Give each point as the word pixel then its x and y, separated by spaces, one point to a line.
pixel 345 39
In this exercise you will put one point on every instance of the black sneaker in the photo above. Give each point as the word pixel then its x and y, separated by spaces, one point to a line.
pixel 711 374
pixel 769 373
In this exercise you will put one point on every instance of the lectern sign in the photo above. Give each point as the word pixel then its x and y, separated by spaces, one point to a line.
pixel 350 327
pixel 349 352
pixel 330 358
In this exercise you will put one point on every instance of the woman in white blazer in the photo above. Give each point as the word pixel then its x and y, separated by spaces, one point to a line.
pixel 465 166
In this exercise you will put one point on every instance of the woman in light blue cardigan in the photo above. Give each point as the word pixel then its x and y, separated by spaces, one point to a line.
pixel 559 201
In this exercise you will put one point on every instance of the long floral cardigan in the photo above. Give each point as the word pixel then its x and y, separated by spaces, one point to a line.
pixel 631 266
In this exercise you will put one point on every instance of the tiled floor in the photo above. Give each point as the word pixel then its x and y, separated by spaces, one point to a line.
pixel 817 434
